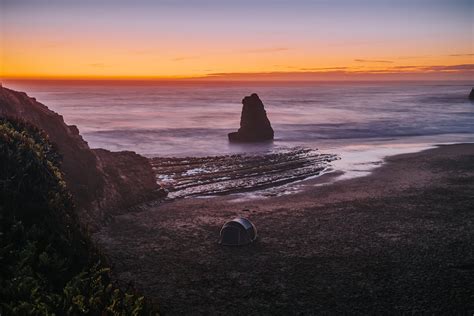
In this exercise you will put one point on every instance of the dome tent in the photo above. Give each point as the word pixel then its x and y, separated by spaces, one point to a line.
pixel 237 232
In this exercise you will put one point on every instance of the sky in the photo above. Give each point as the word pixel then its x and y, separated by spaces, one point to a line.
pixel 290 39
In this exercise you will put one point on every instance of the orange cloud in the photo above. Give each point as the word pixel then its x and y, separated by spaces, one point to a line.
pixel 460 55
pixel 373 61
pixel 462 71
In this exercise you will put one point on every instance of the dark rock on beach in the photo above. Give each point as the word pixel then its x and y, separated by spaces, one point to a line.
pixel 254 123
pixel 471 95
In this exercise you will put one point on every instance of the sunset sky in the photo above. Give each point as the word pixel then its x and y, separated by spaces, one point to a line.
pixel 236 39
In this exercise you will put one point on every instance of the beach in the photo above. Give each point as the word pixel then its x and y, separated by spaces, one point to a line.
pixel 397 240
pixel 236 157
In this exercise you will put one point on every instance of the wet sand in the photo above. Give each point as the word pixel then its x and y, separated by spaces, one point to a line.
pixel 398 240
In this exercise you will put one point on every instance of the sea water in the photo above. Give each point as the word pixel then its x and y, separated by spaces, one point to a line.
pixel 361 121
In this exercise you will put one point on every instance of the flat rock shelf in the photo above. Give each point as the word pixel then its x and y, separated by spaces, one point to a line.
pixel 218 175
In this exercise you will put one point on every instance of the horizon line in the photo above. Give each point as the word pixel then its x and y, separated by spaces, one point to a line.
pixel 430 72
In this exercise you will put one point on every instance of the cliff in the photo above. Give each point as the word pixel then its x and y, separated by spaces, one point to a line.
pixel 102 182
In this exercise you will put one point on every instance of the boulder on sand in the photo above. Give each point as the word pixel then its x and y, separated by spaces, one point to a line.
pixel 254 123
pixel 471 95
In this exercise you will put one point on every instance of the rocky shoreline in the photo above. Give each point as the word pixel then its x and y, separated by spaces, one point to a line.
pixel 219 175
pixel 396 241
pixel 103 183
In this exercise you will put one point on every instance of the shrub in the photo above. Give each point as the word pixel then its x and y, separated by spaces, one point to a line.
pixel 48 264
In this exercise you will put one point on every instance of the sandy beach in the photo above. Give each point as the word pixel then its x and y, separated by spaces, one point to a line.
pixel 398 240
pixel 255 157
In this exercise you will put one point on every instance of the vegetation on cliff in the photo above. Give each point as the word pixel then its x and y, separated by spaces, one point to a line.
pixel 48 264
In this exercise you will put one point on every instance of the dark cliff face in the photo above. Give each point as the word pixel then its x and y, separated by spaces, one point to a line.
pixel 254 123
pixel 101 181
pixel 471 95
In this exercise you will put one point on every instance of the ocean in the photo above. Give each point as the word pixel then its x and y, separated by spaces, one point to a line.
pixel 362 121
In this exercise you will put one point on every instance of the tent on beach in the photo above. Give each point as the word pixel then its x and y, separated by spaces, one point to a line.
pixel 238 232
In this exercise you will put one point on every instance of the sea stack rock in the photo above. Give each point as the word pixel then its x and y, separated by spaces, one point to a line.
pixel 471 95
pixel 254 123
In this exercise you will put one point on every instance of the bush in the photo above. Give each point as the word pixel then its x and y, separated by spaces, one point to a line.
pixel 48 264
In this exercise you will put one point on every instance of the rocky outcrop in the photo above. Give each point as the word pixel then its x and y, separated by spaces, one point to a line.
pixel 237 173
pixel 101 182
pixel 471 95
pixel 128 175
pixel 254 123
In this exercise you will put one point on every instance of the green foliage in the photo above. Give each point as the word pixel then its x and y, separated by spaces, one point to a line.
pixel 48 265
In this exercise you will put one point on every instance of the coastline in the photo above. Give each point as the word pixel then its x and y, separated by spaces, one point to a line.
pixel 278 172
pixel 360 158
pixel 397 240
pixel 406 228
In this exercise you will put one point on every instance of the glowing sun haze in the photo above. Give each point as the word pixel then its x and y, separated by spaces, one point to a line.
pixel 235 39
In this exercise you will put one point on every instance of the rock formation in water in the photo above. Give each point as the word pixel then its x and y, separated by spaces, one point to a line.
pixel 471 95
pixel 254 123
pixel 101 182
